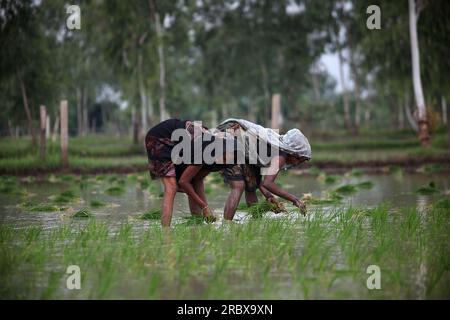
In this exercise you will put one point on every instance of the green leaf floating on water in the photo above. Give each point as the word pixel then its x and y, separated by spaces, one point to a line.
pixel 428 189
pixel 152 214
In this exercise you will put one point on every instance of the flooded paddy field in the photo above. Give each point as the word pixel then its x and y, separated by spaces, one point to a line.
pixel 396 223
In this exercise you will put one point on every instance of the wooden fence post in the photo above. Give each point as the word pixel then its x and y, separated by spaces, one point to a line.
pixel 276 109
pixel 47 127
pixel 64 130
pixel 43 116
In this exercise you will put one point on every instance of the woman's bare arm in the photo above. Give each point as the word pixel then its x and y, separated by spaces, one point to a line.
pixel 186 184
pixel 269 180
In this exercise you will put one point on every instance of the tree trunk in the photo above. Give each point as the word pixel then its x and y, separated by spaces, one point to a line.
pixel 316 85
pixel 43 123
pixel 64 140
pixel 79 111
pixel 55 128
pixel 366 114
pixel 347 120
pixel 412 122
pixel 444 110
pixel 401 115
pixel 10 129
pixel 27 109
pixel 162 62
pixel 47 127
pixel 276 111
pixel 422 120
pixel 135 123
pixel 266 90
pixel 85 109
pixel 143 95
pixel 357 92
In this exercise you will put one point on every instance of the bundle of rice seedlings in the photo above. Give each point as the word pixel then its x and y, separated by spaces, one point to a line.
pixel 83 213
pixel 65 197
pixel 365 185
pixel 115 190
pixel 346 189
pixel 259 209
pixel 428 189
pixel 443 203
pixel 97 203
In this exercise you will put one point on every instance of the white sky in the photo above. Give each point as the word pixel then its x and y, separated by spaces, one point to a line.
pixel 331 62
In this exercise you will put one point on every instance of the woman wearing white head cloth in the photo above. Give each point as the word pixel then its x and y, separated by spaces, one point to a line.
pixel 260 170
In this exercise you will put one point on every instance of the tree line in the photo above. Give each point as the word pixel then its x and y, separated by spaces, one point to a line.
pixel 216 59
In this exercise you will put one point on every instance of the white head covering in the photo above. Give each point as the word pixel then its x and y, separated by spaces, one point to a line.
pixel 293 142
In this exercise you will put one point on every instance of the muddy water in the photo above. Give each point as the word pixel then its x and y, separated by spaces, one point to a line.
pixel 396 189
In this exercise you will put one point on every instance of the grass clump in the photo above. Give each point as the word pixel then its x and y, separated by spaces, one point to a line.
pixel 443 203
pixel 322 201
pixel 365 185
pixel 346 189
pixel 242 207
pixel 65 197
pixel 41 207
pixel 115 190
pixel 193 221
pixel 430 188
pixel 97 203
pixel 432 168
pixel 152 214
pixel 83 213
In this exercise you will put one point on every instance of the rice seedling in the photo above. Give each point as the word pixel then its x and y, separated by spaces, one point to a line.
pixel 314 171
pixel 430 188
pixel 365 185
pixel 346 189
pixel 192 221
pixel 144 183
pixel 43 207
pixel 356 172
pixel 327 179
pixel 259 209
pixel 115 190
pixel 152 214
pixel 67 178
pixel 97 203
pixel 83 213
pixel 432 168
pixel 65 197
pixel 443 203
pixel 242 207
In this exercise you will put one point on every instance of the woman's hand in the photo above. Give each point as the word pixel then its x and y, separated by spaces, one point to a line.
pixel 279 206
pixel 301 205
pixel 208 215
